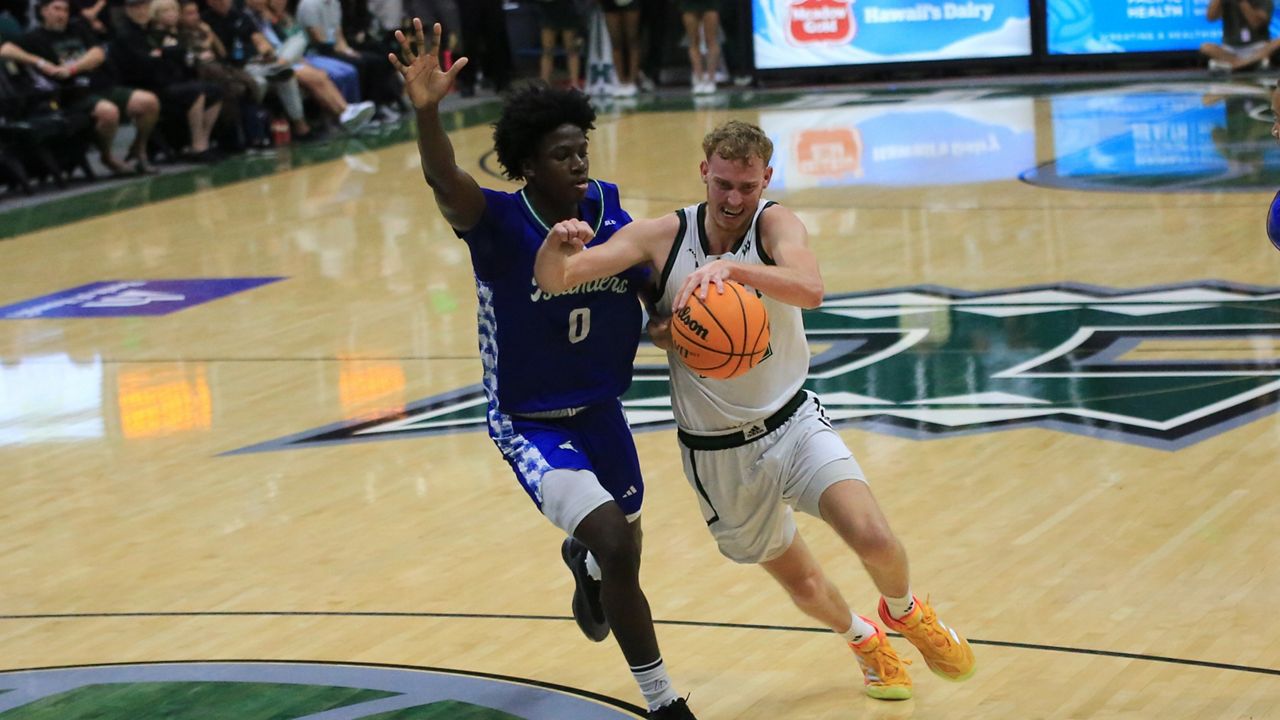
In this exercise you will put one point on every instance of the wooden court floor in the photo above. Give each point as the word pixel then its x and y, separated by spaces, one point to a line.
pixel 1052 340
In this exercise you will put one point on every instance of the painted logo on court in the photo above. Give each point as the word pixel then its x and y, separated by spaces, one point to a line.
pixel 1162 367
pixel 122 298
pixel 288 690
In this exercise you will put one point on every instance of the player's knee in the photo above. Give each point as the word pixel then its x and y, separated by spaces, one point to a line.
pixel 807 588
pixel 617 552
pixel 877 545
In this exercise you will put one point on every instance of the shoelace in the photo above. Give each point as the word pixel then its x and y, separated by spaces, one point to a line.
pixel 935 632
pixel 879 665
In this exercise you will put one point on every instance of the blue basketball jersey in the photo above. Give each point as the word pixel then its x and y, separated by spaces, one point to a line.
pixel 545 352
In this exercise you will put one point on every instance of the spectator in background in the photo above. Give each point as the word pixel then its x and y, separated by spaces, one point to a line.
pixel 1245 33
pixel 95 15
pixel 560 19
pixel 295 41
pixel 736 21
pixel 444 12
pixel 653 19
pixel 313 80
pixel 486 45
pixel 702 16
pixel 322 21
pixel 248 49
pixel 238 87
pixel 70 57
pixel 155 59
pixel 622 18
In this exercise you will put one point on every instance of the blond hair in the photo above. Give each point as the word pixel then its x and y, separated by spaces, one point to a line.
pixel 157 6
pixel 740 141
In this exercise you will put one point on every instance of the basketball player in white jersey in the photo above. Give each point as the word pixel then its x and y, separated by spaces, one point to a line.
pixel 757 446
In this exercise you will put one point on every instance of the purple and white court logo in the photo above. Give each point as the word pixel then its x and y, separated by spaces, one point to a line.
pixel 127 298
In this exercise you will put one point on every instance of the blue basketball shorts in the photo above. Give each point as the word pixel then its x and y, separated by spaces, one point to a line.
pixel 597 439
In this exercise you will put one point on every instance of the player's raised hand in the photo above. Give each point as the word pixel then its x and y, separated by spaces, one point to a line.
pixel 700 280
pixel 425 81
pixel 570 236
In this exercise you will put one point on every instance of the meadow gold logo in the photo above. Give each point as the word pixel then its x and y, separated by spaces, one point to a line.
pixel 821 22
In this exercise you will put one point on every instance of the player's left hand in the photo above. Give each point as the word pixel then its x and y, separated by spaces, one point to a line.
pixel 659 329
pixel 700 280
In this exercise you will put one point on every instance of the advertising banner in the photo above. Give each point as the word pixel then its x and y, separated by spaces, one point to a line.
pixel 1093 27
pixel 823 33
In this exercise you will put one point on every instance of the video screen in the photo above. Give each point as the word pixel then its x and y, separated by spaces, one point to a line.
pixel 1099 27
pixel 823 33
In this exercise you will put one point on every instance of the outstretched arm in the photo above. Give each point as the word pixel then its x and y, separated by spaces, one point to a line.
pixel 564 261
pixel 457 193
pixel 794 278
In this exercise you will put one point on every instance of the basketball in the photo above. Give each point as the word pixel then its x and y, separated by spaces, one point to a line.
pixel 724 335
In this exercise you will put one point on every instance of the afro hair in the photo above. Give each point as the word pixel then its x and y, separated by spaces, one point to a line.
pixel 530 113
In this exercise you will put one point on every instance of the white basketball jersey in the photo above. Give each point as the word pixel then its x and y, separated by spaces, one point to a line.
pixel 707 405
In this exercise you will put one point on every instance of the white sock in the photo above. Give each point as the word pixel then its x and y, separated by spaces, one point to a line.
pixel 593 568
pixel 859 629
pixel 654 684
pixel 900 607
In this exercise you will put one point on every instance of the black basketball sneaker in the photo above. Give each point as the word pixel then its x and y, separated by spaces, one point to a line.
pixel 675 710
pixel 587 609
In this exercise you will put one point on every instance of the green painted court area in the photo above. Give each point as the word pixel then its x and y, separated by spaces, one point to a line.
pixel 241 701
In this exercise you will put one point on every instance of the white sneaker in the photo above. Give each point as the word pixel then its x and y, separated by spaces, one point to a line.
pixel 356 116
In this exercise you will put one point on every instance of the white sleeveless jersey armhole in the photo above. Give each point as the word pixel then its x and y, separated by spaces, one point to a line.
pixel 706 405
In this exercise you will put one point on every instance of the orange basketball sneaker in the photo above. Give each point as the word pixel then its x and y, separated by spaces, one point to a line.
pixel 884 674
pixel 945 651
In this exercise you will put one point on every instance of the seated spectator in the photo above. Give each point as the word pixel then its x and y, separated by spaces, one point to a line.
pixel 68 55
pixel 350 116
pixel 379 82
pixel 238 86
pixel 1245 33
pixel 295 43
pixel 155 59
pixel 560 19
pixel 247 49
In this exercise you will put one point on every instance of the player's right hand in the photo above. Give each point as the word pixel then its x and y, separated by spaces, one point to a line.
pixel 424 80
pixel 570 236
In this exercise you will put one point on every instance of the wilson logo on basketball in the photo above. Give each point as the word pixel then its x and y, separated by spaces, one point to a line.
pixel 821 22
pixel 833 152
pixel 685 316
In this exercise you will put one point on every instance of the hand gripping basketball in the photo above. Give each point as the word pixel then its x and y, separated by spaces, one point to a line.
pixel 723 335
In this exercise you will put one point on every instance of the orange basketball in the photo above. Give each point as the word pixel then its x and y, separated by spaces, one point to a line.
pixel 723 336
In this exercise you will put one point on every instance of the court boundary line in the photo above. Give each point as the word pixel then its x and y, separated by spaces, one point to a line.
pixel 675 623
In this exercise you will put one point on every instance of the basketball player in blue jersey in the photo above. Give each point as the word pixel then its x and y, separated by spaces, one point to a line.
pixel 554 364
pixel 757 446
pixel 1273 215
